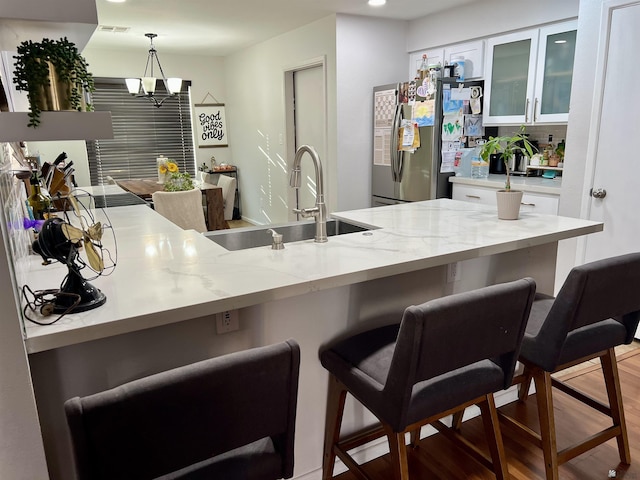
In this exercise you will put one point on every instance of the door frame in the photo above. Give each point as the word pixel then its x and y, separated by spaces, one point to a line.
pixel 290 127
pixel 595 124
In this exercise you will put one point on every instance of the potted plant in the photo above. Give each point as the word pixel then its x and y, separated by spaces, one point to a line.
pixel 54 75
pixel 507 146
pixel 173 179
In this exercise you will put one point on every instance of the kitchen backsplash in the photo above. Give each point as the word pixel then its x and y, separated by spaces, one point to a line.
pixel 540 132
pixel 12 198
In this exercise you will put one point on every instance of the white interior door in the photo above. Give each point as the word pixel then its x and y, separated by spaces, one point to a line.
pixel 616 168
pixel 309 117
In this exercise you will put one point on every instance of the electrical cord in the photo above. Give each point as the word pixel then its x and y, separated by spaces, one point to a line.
pixel 44 301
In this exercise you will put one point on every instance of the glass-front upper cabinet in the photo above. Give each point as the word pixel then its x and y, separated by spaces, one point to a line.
pixel 555 72
pixel 528 76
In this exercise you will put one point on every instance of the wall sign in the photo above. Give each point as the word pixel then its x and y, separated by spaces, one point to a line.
pixel 210 125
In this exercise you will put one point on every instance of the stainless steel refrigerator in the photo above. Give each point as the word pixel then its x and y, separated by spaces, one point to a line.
pixel 401 176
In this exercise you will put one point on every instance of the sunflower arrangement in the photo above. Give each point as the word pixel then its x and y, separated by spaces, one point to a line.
pixel 169 166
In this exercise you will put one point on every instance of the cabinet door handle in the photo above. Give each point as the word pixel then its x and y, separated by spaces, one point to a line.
pixel 535 110
pixel 526 111
pixel 473 196
pixel 528 204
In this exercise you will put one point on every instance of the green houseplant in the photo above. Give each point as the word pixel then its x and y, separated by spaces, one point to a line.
pixel 507 146
pixel 54 75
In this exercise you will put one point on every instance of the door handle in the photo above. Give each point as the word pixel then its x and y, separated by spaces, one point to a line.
pixel 526 111
pixel 598 192
pixel 535 110
pixel 394 153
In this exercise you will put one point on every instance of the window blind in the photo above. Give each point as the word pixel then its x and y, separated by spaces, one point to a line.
pixel 141 132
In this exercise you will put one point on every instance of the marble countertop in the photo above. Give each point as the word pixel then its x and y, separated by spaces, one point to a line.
pixel 526 184
pixel 165 274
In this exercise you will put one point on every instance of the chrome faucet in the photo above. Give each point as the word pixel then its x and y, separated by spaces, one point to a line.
pixel 319 212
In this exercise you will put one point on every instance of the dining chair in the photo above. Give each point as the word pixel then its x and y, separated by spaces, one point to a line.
pixel 231 417
pixel 445 355
pixel 182 208
pixel 597 309
pixel 228 185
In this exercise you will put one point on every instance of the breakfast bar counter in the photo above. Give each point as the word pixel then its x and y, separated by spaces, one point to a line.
pixel 165 274
pixel 169 284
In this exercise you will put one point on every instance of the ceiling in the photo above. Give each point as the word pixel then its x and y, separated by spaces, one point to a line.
pixel 221 27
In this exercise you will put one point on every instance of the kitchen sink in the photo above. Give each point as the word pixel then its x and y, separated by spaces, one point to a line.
pixel 251 237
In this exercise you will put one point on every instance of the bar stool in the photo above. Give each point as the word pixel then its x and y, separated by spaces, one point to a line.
pixel 597 309
pixel 231 417
pixel 445 355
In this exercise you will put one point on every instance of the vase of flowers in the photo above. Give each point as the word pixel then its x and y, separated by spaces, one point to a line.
pixel 165 166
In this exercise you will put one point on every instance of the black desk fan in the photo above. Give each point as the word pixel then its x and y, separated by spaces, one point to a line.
pixel 60 240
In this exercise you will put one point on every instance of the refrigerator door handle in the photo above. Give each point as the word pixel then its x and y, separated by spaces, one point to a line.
pixel 400 167
pixel 394 153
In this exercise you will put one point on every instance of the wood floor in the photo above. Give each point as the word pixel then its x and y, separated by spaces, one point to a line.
pixel 436 458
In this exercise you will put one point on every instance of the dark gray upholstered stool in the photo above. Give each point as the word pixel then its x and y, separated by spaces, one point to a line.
pixel 231 417
pixel 597 309
pixel 445 355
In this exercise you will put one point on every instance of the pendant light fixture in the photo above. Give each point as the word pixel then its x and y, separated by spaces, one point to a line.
pixel 145 87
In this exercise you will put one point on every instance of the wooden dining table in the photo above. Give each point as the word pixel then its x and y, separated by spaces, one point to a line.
pixel 145 187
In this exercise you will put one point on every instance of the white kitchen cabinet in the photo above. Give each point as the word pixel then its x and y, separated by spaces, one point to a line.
pixel 528 76
pixel 473 54
pixel 532 202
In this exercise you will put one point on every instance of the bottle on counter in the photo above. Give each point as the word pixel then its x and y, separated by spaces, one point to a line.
pixel 38 201
pixel 560 150
pixel 423 71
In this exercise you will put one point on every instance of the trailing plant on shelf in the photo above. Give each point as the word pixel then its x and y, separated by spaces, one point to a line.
pixel 507 146
pixel 33 74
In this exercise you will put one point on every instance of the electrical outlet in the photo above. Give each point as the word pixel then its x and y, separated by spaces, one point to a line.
pixel 453 272
pixel 227 321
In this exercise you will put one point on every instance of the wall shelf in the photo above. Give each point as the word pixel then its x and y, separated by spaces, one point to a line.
pixel 543 167
pixel 55 126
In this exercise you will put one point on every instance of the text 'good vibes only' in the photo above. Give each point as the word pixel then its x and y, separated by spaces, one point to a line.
pixel 212 126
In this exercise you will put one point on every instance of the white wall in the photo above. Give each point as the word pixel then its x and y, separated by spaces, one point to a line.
pixel 369 52
pixel 21 449
pixel 484 19
pixel 256 117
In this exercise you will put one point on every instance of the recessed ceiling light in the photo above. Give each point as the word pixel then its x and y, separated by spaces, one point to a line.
pixel 116 1
pixel 377 3
pixel 560 41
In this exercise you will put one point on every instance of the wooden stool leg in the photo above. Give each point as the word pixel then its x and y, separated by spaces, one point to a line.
pixel 614 393
pixel 398 454
pixel 333 420
pixel 494 439
pixel 414 435
pixel 523 388
pixel 544 400
pixel 456 420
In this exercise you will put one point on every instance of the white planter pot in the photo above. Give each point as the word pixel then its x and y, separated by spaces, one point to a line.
pixel 508 204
